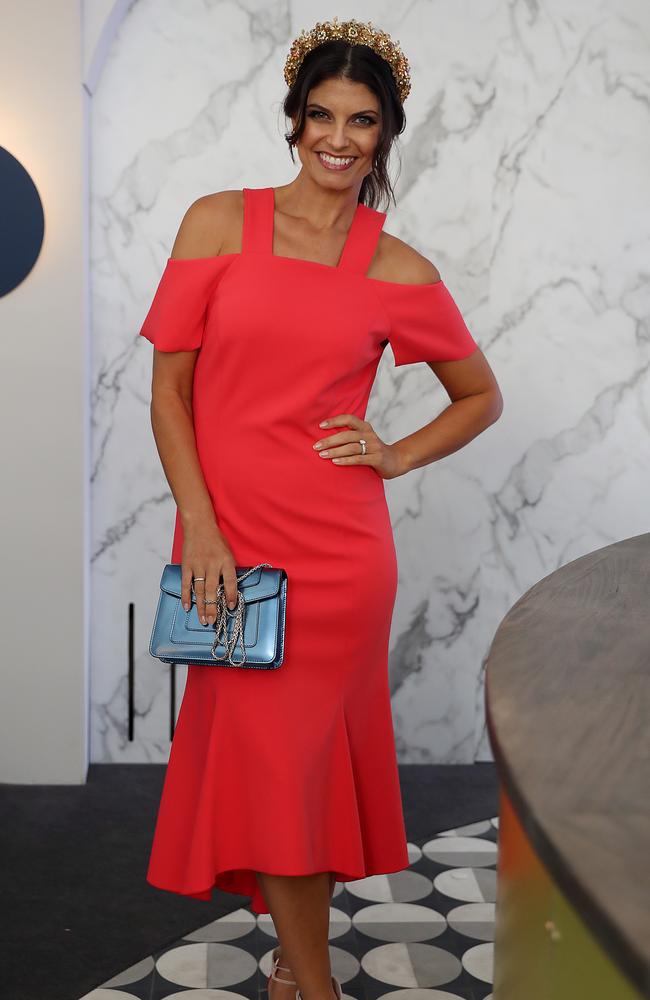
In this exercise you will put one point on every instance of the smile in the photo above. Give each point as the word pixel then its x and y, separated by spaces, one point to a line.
pixel 335 162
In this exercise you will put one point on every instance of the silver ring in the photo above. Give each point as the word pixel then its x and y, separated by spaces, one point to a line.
pixel 195 578
pixel 363 445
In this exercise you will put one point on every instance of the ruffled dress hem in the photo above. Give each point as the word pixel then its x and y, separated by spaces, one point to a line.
pixel 243 882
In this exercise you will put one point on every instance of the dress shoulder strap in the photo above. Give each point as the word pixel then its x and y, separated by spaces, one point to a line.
pixel 362 239
pixel 360 245
pixel 257 232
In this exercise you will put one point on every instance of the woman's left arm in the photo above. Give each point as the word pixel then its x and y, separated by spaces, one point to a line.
pixel 476 402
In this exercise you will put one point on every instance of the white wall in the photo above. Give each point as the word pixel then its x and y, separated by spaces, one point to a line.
pixel 524 178
pixel 43 584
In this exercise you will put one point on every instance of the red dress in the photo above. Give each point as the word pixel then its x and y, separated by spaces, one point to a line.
pixel 293 770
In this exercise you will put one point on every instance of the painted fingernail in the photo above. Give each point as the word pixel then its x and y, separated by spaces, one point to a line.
pixel 318 445
pixel 324 423
pixel 324 454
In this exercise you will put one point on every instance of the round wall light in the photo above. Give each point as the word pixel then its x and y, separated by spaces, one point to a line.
pixel 23 222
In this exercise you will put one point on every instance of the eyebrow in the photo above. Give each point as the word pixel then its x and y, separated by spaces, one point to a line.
pixel 366 111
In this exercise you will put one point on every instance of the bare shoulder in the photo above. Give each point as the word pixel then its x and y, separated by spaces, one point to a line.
pixel 207 223
pixel 397 261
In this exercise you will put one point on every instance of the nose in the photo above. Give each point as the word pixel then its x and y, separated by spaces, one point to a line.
pixel 338 139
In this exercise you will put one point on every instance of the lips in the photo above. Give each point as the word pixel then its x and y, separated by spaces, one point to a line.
pixel 339 165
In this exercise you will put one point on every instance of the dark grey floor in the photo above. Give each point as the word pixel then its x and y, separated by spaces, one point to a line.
pixel 76 909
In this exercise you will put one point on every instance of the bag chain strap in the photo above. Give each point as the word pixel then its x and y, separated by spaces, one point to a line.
pixel 221 623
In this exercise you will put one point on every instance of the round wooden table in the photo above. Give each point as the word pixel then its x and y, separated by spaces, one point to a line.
pixel 568 711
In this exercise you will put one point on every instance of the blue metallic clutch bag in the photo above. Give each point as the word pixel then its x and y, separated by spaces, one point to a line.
pixel 256 625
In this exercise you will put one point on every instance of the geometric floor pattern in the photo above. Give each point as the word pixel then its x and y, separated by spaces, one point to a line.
pixel 425 933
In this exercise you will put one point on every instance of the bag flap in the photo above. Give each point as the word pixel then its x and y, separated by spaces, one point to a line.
pixel 263 583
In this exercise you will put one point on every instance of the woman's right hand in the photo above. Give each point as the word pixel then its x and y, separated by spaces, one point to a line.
pixel 207 553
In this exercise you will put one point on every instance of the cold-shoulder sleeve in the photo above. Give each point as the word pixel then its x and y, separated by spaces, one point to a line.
pixel 176 317
pixel 425 323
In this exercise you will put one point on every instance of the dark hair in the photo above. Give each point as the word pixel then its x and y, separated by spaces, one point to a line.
pixel 361 64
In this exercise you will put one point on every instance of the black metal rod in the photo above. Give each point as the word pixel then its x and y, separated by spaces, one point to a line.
pixel 131 667
pixel 172 700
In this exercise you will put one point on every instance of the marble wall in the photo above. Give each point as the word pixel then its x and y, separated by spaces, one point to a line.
pixel 523 177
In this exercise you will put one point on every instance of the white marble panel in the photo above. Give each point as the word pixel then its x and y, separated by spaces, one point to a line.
pixel 523 176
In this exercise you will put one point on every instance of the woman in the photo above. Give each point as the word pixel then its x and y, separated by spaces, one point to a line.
pixel 269 322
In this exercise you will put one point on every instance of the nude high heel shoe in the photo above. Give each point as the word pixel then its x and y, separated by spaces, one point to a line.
pixel 337 989
pixel 274 970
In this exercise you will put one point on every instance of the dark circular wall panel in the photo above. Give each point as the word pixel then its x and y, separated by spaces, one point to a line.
pixel 22 222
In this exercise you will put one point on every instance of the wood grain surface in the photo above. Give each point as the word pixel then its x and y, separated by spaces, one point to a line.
pixel 568 711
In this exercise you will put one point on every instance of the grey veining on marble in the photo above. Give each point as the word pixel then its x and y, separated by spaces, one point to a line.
pixel 524 179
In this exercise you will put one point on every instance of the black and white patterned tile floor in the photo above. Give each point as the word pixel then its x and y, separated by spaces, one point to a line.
pixel 425 933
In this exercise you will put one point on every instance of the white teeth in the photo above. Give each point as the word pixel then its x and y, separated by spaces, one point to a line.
pixel 336 160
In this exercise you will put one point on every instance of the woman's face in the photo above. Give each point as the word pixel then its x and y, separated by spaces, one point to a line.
pixel 342 119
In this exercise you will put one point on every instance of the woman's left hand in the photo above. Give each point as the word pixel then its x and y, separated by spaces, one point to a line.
pixel 343 447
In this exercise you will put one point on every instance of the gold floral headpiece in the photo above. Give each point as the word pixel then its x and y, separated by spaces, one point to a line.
pixel 357 33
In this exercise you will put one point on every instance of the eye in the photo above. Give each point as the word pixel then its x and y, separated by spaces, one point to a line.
pixel 366 118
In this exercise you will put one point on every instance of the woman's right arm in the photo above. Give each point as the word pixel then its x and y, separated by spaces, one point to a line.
pixel 206 552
